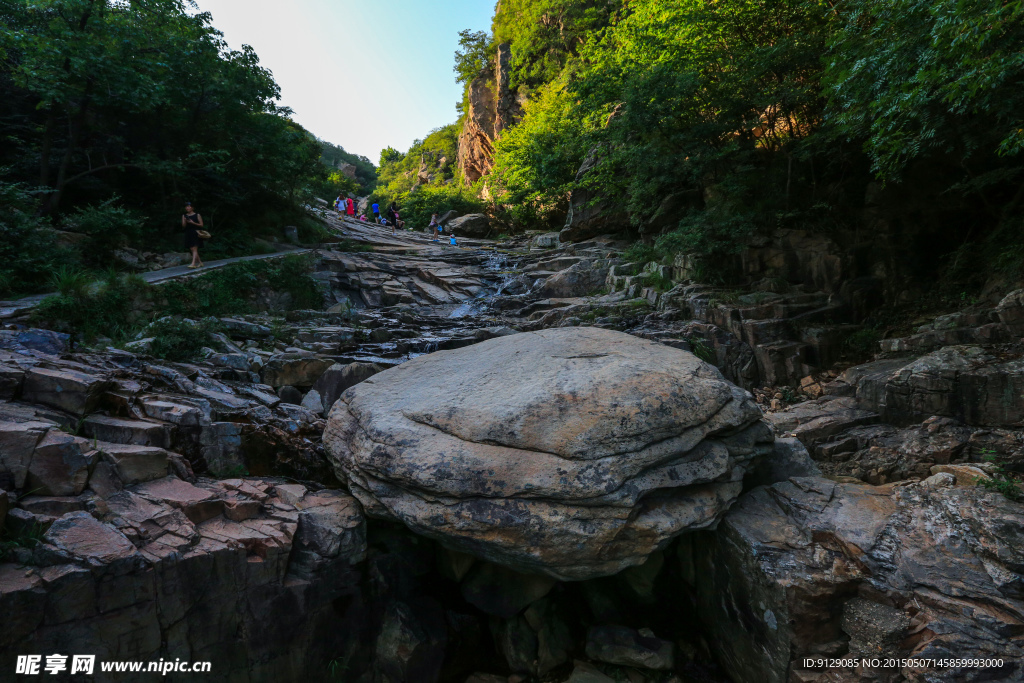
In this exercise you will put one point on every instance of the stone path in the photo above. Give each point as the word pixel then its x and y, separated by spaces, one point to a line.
pixel 383 241
pixel 16 307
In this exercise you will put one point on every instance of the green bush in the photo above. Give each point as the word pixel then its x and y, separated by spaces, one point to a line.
pixel 234 288
pixel 27 251
pixel 87 309
pixel 863 343
pixel 108 226
pixel 416 207
pixel 180 340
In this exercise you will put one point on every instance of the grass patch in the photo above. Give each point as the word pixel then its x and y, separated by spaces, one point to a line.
pixel 700 348
pixel 28 537
pixel 658 282
pixel 1002 482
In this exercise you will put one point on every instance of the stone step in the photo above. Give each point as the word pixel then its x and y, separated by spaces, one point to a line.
pixel 133 432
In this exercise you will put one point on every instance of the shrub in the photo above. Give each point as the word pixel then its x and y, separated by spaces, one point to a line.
pixel 87 309
pixel 180 340
pixel 234 288
pixel 27 250
pixel 108 227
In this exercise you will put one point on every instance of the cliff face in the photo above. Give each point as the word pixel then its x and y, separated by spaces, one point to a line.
pixel 493 107
pixel 476 142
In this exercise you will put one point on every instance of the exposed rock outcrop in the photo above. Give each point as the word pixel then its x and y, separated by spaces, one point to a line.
pixel 572 452
pixel 476 141
pixel 256 577
pixel 809 568
pixel 470 225
pixel 588 215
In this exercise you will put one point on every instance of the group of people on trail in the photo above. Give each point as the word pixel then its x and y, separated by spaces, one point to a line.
pixel 345 206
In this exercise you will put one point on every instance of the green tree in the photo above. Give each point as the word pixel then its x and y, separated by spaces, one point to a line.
pixel 473 56
pixel 914 78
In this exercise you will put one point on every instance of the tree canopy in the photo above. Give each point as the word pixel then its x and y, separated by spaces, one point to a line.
pixel 140 106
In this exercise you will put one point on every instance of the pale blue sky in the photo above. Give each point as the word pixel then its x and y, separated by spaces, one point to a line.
pixel 364 74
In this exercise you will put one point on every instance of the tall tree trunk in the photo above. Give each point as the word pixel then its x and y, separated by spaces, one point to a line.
pixel 77 123
pixel 47 148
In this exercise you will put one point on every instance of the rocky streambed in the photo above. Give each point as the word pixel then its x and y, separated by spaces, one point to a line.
pixel 526 464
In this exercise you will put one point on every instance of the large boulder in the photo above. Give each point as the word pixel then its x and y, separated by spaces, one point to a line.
pixel 589 216
pixel 471 225
pixel 287 370
pixel 574 452
pixel 69 390
pixel 338 378
pixel 1011 312
pixel 810 568
pixel 579 279
pixel 27 341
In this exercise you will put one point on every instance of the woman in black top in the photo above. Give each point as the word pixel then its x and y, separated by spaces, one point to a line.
pixel 193 223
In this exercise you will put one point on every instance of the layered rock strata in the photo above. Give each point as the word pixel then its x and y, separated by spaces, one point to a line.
pixel 573 452
pixel 810 568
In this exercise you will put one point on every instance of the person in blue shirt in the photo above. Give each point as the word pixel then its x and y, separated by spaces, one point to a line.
pixel 376 213
pixel 452 241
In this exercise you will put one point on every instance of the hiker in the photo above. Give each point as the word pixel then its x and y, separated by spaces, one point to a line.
pixel 362 217
pixel 376 213
pixel 393 217
pixel 350 208
pixel 433 227
pixel 339 205
pixel 192 222
pixel 452 241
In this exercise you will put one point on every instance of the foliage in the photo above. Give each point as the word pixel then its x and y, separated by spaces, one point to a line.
pixel 400 179
pixel 535 162
pixel 87 309
pixel 366 173
pixel 1002 481
pixel 108 226
pixel 144 101
pixel 28 536
pixel 700 348
pixel 691 94
pixel 180 340
pixel 914 77
pixel 863 343
pixel 544 34
pixel 234 288
pixel 27 250
pixel 473 56
pixel 118 306
pixel 416 207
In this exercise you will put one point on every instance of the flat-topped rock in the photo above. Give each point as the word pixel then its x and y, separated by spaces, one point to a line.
pixel 573 452
pixel 76 392
pixel 87 539
pixel 197 503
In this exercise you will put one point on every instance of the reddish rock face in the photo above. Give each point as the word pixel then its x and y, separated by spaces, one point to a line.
pixel 476 142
